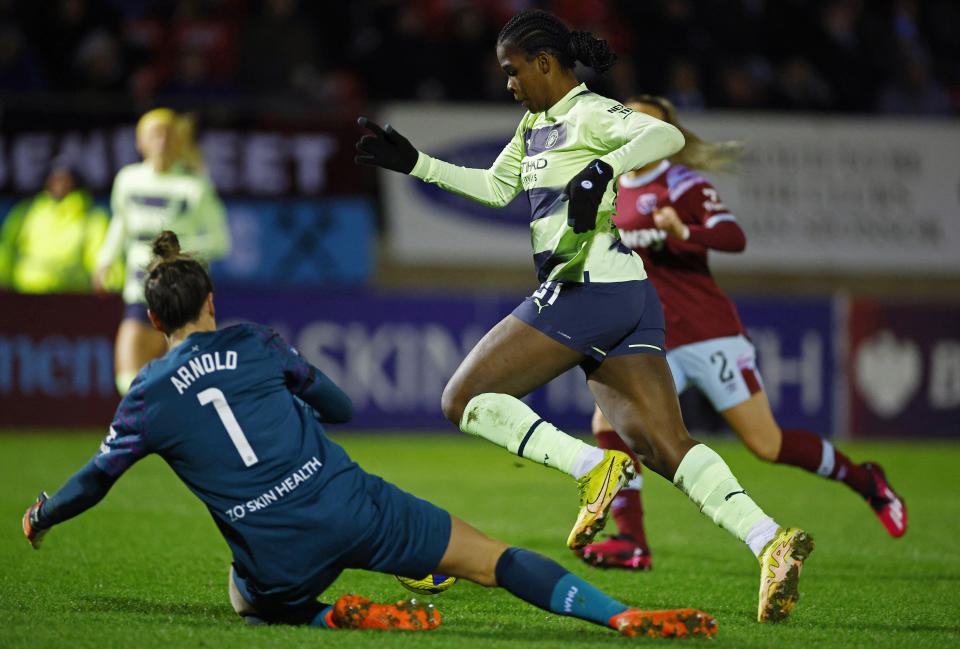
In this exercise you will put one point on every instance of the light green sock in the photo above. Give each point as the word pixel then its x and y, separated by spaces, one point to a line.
pixel 508 422
pixel 123 380
pixel 706 480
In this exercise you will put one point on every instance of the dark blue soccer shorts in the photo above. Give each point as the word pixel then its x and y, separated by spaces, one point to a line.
pixel 599 319
pixel 383 528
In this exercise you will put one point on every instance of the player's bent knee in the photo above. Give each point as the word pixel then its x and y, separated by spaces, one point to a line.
pixel 453 402
pixel 764 449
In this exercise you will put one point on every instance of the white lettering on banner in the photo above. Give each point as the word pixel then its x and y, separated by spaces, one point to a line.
pixel 220 150
pixel 124 147
pixel 778 371
pixel 887 372
pixel 944 391
pixel 263 163
pixel 311 152
pixel 89 152
pixel 56 366
pixel 396 367
pixel 283 488
pixel 263 171
pixel 31 153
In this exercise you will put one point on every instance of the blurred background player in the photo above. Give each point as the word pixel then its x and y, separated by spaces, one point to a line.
pixel 169 189
pixel 49 242
pixel 225 409
pixel 671 216
pixel 595 308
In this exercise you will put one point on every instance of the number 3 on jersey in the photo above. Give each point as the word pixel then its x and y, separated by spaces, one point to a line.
pixel 215 396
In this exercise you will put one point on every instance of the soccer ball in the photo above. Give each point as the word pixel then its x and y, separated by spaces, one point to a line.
pixel 429 585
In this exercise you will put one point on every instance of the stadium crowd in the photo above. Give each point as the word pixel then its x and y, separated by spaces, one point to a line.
pixel 886 56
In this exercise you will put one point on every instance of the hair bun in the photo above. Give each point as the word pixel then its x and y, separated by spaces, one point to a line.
pixel 593 51
pixel 166 246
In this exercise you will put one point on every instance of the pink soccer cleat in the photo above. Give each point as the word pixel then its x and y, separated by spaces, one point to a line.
pixel 888 506
pixel 618 551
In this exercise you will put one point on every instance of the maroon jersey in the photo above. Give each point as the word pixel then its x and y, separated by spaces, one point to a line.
pixel 694 306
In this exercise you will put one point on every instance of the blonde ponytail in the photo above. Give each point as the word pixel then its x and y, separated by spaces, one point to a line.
pixel 696 153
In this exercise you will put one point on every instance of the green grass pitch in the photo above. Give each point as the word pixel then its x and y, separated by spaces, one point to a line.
pixel 147 568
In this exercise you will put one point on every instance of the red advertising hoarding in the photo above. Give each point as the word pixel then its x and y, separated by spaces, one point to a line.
pixel 56 359
pixel 903 369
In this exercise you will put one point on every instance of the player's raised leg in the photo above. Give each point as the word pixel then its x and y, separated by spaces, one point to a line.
pixel 482 398
pixel 753 421
pixel 547 585
pixel 637 394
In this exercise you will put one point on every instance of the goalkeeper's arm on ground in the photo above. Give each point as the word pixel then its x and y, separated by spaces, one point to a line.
pixel 85 489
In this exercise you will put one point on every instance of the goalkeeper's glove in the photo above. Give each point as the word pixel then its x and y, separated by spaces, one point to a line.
pixel 31 523
pixel 385 148
pixel 585 191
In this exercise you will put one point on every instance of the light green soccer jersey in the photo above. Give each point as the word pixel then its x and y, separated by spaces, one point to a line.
pixel 548 149
pixel 144 203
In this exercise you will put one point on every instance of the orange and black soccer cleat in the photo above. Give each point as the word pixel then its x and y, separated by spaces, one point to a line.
pixel 675 623
pixel 356 612
pixel 31 524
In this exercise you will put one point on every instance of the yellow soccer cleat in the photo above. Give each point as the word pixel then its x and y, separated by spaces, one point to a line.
pixel 780 564
pixel 597 489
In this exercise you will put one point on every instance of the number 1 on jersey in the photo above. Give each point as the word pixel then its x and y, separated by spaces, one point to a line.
pixel 215 396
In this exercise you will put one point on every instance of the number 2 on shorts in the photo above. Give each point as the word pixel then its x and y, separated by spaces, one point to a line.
pixel 725 372
pixel 215 396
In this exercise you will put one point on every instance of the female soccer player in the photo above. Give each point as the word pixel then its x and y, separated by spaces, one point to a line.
pixel 167 190
pixel 595 307
pixel 236 414
pixel 672 216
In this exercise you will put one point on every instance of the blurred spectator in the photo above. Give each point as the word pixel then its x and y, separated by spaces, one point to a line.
pixel 745 84
pixel 683 86
pixel 914 91
pixel 799 86
pixel 19 68
pixel 278 52
pixel 470 50
pixel 837 55
pixel 49 243
pixel 58 32
pixel 98 63
pixel 848 51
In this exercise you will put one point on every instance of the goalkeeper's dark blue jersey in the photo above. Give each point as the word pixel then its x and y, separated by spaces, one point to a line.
pixel 221 409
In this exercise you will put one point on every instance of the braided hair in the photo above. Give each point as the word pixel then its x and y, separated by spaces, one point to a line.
pixel 536 31
pixel 177 285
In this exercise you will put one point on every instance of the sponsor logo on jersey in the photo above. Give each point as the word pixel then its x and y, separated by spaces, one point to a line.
pixel 533 164
pixel 646 203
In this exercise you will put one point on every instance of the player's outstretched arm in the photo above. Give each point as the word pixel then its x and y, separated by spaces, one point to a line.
pixel 385 148
pixel 85 489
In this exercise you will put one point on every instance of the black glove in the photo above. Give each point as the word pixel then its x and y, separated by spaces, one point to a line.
pixel 585 191
pixel 385 148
